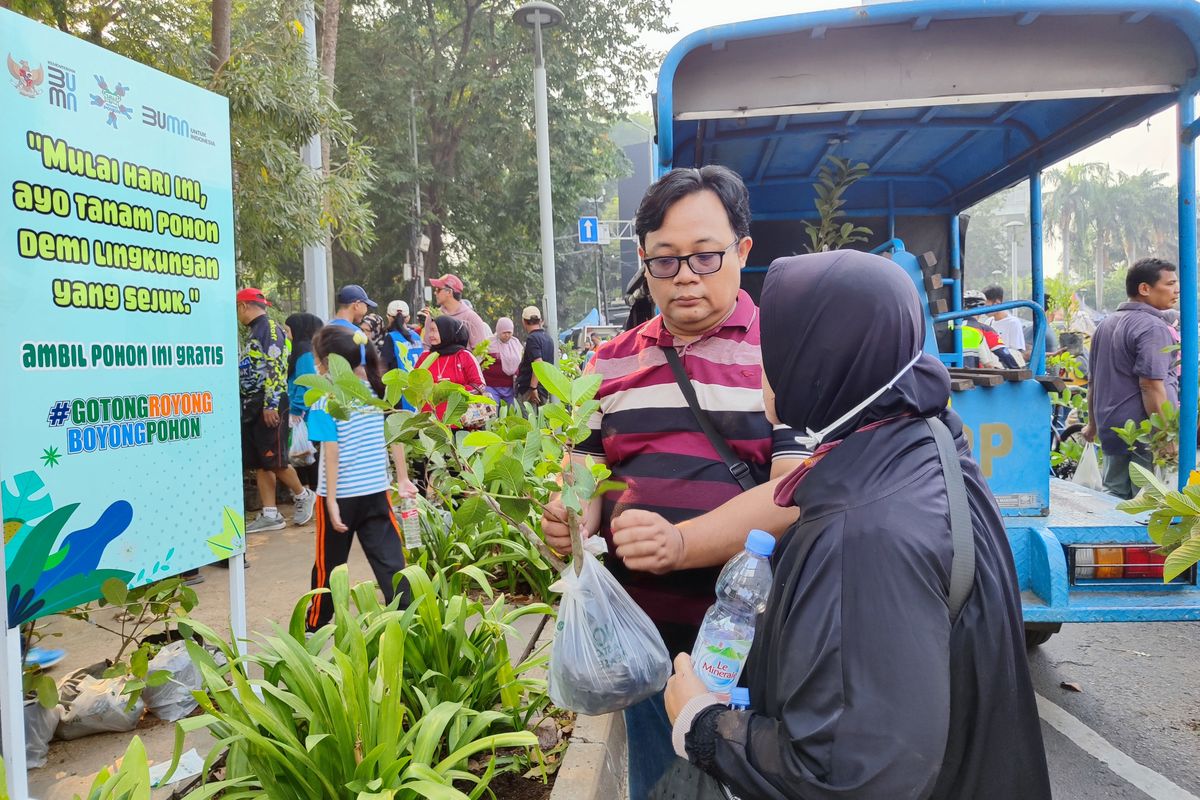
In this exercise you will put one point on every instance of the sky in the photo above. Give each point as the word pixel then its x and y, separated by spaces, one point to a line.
pixel 1144 147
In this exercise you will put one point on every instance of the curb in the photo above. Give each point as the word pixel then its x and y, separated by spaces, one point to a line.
pixel 593 767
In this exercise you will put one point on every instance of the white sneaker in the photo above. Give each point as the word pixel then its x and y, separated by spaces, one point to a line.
pixel 304 508
pixel 263 523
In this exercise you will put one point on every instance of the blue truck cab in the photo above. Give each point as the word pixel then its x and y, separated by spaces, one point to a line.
pixel 949 102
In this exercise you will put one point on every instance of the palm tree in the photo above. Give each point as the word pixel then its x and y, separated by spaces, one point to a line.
pixel 1063 204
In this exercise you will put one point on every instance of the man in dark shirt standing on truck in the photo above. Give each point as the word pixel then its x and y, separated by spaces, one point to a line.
pixel 1131 368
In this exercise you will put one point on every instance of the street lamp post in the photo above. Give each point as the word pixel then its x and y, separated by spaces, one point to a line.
pixel 537 15
pixel 1011 226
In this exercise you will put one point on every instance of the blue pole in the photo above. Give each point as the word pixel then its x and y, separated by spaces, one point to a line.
pixel 1037 278
pixel 1189 388
pixel 891 211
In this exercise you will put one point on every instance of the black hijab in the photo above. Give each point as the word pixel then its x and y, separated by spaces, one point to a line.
pixel 453 335
pixel 835 328
pixel 303 327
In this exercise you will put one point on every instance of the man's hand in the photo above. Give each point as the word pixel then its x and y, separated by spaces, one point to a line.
pixel 1089 431
pixel 682 687
pixel 646 542
pixel 406 489
pixel 271 417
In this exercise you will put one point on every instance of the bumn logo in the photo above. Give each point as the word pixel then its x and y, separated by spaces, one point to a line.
pixel 167 122
pixel 62 86
pixel 112 100
pixel 26 79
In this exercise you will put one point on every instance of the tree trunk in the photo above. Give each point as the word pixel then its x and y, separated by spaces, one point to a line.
pixel 221 13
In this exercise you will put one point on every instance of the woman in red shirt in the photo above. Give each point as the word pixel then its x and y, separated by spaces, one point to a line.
pixel 447 338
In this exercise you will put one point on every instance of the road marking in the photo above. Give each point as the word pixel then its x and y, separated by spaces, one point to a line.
pixel 1141 777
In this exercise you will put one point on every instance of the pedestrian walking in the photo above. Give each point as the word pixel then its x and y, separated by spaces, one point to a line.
pixel 403 345
pixel 301 362
pixel 538 347
pixel 890 661
pixel 353 305
pixel 262 381
pixel 1131 368
pixel 352 490
pixel 448 295
pixel 506 352
pixel 447 339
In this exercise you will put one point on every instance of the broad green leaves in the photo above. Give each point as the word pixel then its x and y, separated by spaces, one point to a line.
pixel 1174 519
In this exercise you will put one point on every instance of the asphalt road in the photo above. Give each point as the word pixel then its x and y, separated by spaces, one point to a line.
pixel 1132 731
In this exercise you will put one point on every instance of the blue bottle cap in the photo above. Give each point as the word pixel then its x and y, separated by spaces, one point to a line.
pixel 739 697
pixel 760 543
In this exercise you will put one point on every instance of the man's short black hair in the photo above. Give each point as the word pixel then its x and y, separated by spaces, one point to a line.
pixel 994 294
pixel 457 295
pixel 1147 270
pixel 679 183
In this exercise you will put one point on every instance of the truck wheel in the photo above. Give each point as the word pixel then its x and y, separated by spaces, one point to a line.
pixel 1039 633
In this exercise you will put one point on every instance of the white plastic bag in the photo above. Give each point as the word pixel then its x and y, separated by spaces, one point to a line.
pixel 301 453
pixel 1087 472
pixel 607 654
pixel 40 723
pixel 99 708
pixel 173 700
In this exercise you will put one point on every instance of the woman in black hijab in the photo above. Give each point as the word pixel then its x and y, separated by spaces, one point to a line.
pixel 447 340
pixel 861 685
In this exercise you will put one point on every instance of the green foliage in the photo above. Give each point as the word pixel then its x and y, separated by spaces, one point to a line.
pixel 1159 434
pixel 129 781
pixel 835 178
pixel 140 611
pixel 1174 519
pixel 276 103
pixel 465 70
pixel 379 703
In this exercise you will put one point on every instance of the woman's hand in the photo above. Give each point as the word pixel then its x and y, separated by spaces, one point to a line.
pixel 406 488
pixel 682 686
pixel 335 516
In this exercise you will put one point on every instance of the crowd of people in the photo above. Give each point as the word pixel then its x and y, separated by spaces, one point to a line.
pixel 343 480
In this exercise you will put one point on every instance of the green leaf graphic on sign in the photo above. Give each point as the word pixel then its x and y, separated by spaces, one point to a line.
pixel 232 536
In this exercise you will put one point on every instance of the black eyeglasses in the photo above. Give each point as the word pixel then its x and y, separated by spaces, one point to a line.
pixel 700 263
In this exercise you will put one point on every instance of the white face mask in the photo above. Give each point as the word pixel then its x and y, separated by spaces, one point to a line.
pixel 812 439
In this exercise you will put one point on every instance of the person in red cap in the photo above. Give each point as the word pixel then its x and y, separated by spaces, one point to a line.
pixel 262 381
pixel 447 293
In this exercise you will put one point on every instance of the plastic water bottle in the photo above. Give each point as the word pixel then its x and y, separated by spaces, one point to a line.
pixel 410 523
pixel 728 628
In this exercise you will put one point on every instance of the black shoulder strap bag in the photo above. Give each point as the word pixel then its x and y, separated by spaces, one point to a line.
pixel 738 468
pixel 685 781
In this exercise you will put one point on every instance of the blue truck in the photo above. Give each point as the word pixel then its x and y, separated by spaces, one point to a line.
pixel 949 102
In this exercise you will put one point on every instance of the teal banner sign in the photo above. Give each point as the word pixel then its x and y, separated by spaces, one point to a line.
pixel 119 425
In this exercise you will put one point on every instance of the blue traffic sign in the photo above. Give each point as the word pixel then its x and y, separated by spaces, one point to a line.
pixel 589 230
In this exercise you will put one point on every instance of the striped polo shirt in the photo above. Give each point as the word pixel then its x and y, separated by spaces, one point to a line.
pixel 362 450
pixel 651 441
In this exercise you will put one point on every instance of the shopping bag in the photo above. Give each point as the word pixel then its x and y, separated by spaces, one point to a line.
pixel 301 453
pixel 607 654
pixel 1087 472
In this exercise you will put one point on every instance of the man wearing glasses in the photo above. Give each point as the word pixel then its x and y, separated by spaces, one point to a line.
pixel 447 294
pixel 686 508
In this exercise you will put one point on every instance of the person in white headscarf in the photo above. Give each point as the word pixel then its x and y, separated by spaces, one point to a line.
pixel 506 351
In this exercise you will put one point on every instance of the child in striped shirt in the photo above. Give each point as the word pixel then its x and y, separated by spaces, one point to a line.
pixel 352 487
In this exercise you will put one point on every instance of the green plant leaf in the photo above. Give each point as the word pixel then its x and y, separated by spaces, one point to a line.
pixel 584 388
pixel 115 591
pixel 481 439
pixel 1181 559
pixel 553 379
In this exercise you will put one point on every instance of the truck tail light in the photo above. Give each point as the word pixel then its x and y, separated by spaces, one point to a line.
pixel 1108 564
